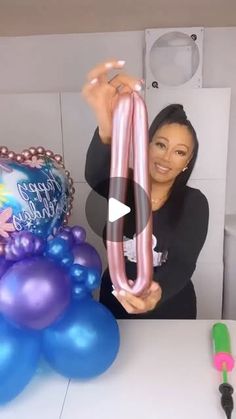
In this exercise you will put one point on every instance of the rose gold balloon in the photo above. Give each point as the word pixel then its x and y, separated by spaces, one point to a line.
pixel 33 151
pixel 11 155
pixel 130 124
pixel 4 150
pixel 19 158
pixel 26 154
pixel 40 150
pixel 49 153
pixel 58 158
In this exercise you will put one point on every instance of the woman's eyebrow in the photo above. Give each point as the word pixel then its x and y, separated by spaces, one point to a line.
pixel 183 145
pixel 160 137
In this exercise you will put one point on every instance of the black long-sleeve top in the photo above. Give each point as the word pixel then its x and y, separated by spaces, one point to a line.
pixel 181 241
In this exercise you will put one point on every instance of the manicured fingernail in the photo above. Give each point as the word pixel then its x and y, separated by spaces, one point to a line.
pixel 94 81
pixel 114 293
pixel 121 62
pixel 122 293
pixel 108 65
pixel 137 87
pixel 142 81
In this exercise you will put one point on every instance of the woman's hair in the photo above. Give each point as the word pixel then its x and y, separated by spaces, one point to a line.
pixel 175 114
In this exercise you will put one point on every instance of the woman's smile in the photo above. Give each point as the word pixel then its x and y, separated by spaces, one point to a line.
pixel 161 168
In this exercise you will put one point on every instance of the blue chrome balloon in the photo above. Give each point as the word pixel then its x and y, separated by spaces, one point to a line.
pixel 85 342
pixel 19 358
pixel 80 291
pixel 57 248
pixel 78 273
pixel 93 280
pixel 37 192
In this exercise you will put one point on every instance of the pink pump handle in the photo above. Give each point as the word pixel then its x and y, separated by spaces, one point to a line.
pixel 223 360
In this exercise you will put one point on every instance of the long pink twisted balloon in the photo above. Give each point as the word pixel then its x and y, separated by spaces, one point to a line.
pixel 130 125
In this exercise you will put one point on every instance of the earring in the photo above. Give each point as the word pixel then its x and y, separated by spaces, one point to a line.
pixel 185 168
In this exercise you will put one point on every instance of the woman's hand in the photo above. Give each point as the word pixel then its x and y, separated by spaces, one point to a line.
pixel 142 304
pixel 102 94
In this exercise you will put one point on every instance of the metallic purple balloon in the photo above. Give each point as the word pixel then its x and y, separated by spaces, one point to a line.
pixel 79 234
pixel 13 252
pixel 4 265
pixel 22 244
pixel 86 255
pixel 34 292
pixel 39 245
pixel 27 241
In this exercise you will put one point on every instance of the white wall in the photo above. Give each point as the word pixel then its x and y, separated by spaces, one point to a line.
pixel 219 70
pixel 60 62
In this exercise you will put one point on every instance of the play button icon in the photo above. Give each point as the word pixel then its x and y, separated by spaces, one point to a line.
pixel 116 210
pixel 112 207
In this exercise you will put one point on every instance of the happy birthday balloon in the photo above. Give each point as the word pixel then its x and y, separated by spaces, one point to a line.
pixel 35 192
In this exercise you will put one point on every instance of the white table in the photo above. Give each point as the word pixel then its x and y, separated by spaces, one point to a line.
pixel 163 370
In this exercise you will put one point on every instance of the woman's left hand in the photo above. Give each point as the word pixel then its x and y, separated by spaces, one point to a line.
pixel 142 304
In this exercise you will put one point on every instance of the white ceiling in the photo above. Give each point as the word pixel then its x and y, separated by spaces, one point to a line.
pixel 29 17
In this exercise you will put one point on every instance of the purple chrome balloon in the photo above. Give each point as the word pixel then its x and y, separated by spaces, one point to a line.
pixel 4 265
pixel 27 241
pixel 86 255
pixel 23 244
pixel 34 292
pixel 79 234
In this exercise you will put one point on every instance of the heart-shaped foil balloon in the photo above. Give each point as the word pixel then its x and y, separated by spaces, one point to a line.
pixel 36 192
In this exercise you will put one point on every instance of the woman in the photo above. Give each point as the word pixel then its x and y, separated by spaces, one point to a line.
pixel 180 213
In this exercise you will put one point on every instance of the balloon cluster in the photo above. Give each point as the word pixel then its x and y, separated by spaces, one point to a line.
pixel 47 308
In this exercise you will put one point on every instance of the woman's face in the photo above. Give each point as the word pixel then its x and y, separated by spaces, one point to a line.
pixel 170 151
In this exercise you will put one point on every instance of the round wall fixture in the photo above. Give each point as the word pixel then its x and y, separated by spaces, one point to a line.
pixel 174 58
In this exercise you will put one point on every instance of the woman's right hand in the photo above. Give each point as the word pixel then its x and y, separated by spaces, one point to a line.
pixel 102 94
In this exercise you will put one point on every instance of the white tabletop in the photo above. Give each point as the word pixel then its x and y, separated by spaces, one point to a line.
pixel 163 370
